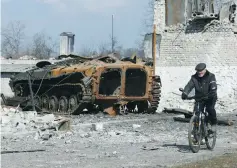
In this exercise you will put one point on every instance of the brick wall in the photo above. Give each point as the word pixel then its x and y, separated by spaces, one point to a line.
pixel 183 46
pixel 214 48
pixel 214 43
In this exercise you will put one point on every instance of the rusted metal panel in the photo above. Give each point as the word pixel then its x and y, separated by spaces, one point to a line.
pixel 122 95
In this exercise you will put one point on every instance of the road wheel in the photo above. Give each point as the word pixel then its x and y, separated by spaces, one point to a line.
pixel 45 102
pixel 72 103
pixel 53 104
pixel 63 104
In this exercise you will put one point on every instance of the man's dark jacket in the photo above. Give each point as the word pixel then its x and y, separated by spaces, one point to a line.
pixel 203 85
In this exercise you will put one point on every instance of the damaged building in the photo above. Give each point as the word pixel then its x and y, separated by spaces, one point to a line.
pixel 190 32
pixel 196 30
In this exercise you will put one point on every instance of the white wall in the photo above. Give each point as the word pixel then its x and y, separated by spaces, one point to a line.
pixel 175 77
pixel 5 88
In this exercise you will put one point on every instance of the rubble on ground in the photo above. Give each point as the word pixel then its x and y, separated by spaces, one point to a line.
pixel 96 140
pixel 16 122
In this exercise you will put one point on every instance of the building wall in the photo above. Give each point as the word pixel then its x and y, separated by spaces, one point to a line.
pixel 67 43
pixel 148 45
pixel 213 47
pixel 5 88
pixel 174 77
pixel 63 45
pixel 214 43
pixel 71 44
pixel 183 46
pixel 159 15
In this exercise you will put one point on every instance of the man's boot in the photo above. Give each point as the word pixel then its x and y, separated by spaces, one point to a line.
pixel 202 142
pixel 212 131
pixel 213 128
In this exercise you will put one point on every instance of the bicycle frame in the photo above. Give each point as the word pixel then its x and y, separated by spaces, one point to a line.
pixel 201 120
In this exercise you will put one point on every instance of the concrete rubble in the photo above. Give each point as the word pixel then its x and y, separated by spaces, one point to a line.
pixel 14 121
pixel 138 140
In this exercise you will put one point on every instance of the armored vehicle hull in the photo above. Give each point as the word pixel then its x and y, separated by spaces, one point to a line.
pixel 103 83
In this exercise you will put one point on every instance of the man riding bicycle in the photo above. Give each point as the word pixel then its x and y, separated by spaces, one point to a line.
pixel 205 86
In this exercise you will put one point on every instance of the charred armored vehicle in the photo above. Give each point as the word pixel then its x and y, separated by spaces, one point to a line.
pixel 106 83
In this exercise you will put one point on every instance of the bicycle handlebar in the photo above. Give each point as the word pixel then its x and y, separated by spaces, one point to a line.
pixel 197 98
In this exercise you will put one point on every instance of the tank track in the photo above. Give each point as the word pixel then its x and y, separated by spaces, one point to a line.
pixel 156 93
pixel 82 99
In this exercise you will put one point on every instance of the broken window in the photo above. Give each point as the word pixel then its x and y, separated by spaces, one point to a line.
pixel 110 82
pixel 135 84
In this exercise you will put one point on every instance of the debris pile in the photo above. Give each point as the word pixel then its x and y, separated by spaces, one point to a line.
pixel 14 121
pixel 188 114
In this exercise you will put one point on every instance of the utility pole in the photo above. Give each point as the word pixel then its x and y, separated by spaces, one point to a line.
pixel 154 49
pixel 155 22
pixel 112 33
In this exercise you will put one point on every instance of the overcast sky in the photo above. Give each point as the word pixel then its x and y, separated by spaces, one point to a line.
pixel 90 20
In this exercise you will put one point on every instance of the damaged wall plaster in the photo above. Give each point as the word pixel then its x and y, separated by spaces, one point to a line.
pixel 183 47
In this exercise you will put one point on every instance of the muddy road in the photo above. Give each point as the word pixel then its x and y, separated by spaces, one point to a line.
pixel 123 141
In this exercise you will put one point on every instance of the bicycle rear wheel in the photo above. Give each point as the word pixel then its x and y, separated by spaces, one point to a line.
pixel 210 140
pixel 194 134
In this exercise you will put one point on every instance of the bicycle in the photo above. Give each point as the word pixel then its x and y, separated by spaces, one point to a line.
pixel 198 127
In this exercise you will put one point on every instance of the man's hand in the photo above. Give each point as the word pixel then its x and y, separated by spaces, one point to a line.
pixel 184 96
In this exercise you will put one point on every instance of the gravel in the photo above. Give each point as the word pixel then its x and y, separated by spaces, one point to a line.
pixel 131 140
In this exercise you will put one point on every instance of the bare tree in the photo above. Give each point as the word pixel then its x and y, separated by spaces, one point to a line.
pixel 106 47
pixel 147 21
pixel 43 46
pixel 12 37
pixel 140 48
pixel 88 52
pixel 115 44
pixel 103 49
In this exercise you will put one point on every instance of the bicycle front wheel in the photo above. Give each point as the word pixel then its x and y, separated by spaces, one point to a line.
pixel 194 134
pixel 210 140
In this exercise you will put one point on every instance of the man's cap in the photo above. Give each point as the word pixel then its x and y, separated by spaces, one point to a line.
pixel 200 67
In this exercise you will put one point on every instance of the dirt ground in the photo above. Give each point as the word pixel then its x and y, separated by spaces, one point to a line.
pixel 226 161
pixel 133 140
